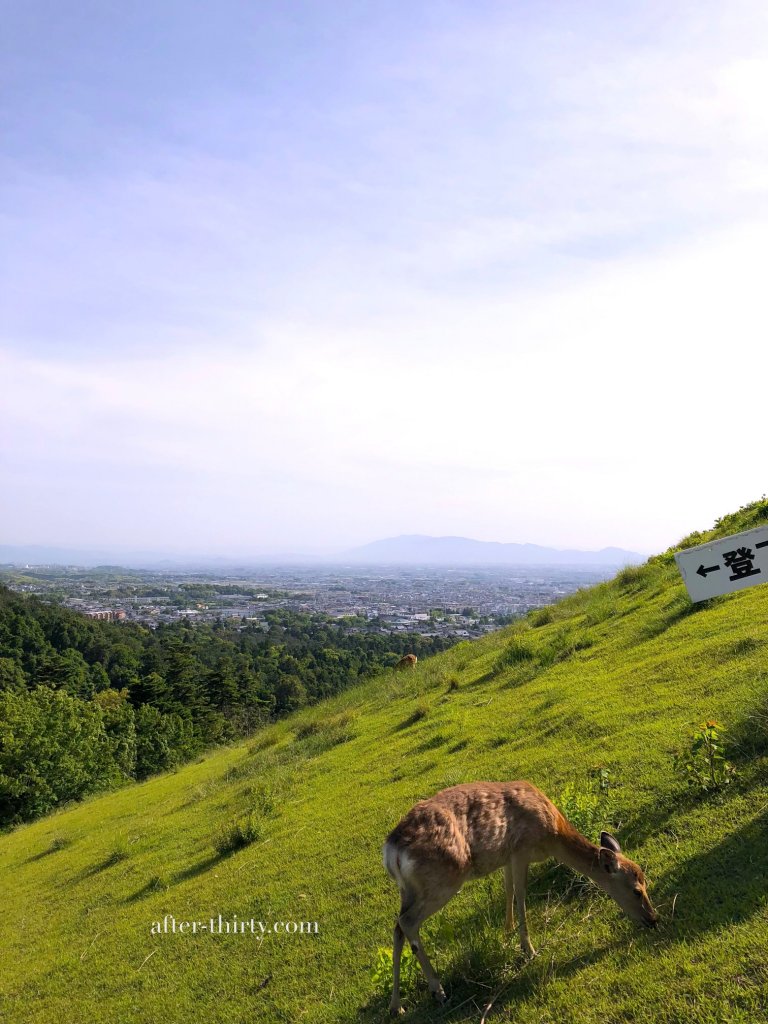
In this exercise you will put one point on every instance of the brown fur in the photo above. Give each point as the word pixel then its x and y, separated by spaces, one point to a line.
pixel 469 831
pixel 407 661
pixel 475 829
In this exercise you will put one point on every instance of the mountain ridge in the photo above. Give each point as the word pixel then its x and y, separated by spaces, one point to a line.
pixel 425 549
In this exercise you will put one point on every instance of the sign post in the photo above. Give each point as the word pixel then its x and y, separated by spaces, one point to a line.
pixel 733 563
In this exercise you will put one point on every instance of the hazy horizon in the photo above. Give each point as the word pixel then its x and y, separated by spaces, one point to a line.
pixel 136 555
pixel 288 277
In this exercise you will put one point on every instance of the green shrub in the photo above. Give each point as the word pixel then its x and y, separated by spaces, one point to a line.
pixel 238 833
pixel 634 577
pixel 517 652
pixel 157 883
pixel 265 797
pixel 559 647
pixel 163 741
pixel 600 608
pixel 308 729
pixel 269 738
pixel 692 540
pixel 319 735
pixel 542 617
pixel 120 851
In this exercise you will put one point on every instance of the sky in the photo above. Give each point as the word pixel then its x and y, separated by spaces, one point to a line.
pixel 293 276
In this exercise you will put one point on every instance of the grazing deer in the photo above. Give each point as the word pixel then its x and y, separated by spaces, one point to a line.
pixel 407 661
pixel 469 831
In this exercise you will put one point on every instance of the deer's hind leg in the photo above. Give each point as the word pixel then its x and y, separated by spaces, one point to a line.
pixel 398 939
pixel 411 919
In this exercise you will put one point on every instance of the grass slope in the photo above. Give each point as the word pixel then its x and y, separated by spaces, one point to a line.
pixel 617 675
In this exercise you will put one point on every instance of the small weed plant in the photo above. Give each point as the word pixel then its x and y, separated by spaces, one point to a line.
pixel 702 765
pixel 381 976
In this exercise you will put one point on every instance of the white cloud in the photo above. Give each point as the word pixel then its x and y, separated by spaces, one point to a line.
pixel 510 286
pixel 604 412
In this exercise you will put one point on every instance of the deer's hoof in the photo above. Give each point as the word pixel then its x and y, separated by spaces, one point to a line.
pixel 396 1010
pixel 439 996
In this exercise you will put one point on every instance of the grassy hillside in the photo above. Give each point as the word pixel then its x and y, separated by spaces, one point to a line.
pixel 616 676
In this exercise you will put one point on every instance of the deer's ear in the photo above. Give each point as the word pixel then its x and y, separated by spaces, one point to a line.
pixel 608 860
pixel 607 842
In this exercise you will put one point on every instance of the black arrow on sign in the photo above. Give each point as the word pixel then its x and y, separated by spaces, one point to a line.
pixel 710 568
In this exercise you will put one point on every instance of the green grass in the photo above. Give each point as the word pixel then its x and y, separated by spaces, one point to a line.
pixel 616 677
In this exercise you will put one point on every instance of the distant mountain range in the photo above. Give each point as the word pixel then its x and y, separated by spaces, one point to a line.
pixel 413 549
pixel 417 549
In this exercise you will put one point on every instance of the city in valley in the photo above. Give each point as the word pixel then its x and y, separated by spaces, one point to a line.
pixel 431 601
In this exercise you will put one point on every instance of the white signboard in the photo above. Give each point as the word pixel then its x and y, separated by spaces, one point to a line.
pixel 723 566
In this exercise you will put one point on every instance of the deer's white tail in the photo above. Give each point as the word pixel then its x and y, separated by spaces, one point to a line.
pixel 397 863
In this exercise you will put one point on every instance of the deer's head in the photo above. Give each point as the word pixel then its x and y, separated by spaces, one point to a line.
pixel 625 882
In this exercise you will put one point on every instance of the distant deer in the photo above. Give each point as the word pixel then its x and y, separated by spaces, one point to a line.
pixel 469 831
pixel 408 661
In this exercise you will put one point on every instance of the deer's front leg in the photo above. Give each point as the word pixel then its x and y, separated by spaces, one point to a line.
pixel 518 870
pixel 509 892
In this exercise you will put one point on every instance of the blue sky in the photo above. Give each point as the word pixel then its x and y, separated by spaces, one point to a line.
pixel 300 275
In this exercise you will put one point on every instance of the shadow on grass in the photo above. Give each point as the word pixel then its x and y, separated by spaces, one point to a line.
pixel 724 885
pixel 433 743
pixel 675 611
pixel 486 677
pixel 49 851
pixel 96 869
pixel 470 986
pixel 153 886
pixel 461 745
pixel 418 715
pixel 194 870
pixel 159 884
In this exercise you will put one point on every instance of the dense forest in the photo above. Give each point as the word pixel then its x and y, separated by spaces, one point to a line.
pixel 87 705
